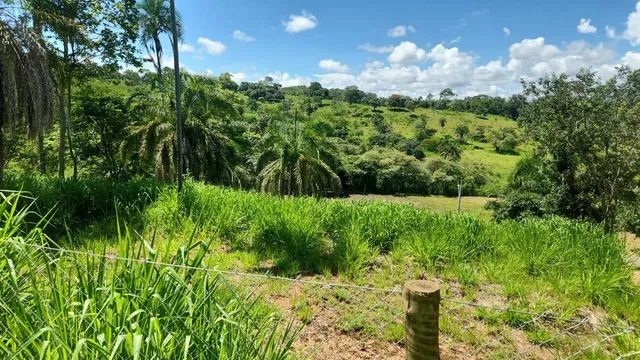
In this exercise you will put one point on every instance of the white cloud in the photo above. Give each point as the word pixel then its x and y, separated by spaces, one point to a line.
pixel 401 31
pixel 413 71
pixel 611 32
pixel 298 23
pixel 285 79
pixel 239 77
pixel 186 48
pixel 407 53
pixel 212 47
pixel 506 31
pixel 333 66
pixel 456 40
pixel 239 35
pixel 633 26
pixel 585 27
pixel 376 49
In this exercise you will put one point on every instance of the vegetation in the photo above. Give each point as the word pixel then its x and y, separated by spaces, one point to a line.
pixel 115 267
pixel 58 307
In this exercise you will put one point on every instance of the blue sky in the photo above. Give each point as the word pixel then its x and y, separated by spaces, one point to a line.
pixel 409 47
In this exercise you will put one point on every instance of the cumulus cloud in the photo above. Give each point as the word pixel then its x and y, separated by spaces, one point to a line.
pixel 506 31
pixel 632 33
pixel 418 73
pixel 239 77
pixel 298 23
pixel 407 53
pixel 410 70
pixel 376 49
pixel 241 36
pixel 611 32
pixel 333 66
pixel 186 48
pixel 585 27
pixel 401 31
pixel 212 47
pixel 285 79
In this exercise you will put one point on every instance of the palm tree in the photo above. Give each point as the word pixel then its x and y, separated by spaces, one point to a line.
pixel 209 156
pixel 155 20
pixel 449 148
pixel 292 163
pixel 26 86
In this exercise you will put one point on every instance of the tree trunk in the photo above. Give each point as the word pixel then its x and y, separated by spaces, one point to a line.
pixel 42 159
pixel 158 49
pixel 42 165
pixel 176 69
pixel 62 135
pixel 74 158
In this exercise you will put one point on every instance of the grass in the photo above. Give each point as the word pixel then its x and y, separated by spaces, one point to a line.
pixel 499 166
pixel 472 205
pixel 565 268
pixel 62 307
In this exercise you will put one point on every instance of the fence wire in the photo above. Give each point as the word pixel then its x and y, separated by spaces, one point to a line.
pixel 349 321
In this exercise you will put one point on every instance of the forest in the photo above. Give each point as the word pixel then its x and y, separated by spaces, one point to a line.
pixel 107 153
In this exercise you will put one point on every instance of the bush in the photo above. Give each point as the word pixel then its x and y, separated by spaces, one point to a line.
pixel 505 141
pixel 517 205
pixel 77 203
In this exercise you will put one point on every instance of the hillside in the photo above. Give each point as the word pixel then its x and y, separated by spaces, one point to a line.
pixel 497 166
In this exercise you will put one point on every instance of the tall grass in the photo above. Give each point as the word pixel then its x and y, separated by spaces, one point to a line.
pixel 306 234
pixel 78 203
pixel 58 306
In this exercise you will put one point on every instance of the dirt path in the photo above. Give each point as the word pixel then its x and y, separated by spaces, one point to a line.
pixel 633 249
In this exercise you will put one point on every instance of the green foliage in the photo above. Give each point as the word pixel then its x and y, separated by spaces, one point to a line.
pixel 505 141
pixel 449 148
pixel 294 161
pixel 579 258
pixel 59 306
pixel 462 131
pixel 77 203
pixel 586 133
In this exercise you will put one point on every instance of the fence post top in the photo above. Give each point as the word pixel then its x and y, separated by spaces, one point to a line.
pixel 422 286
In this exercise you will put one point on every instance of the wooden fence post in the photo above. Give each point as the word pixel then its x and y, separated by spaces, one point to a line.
pixel 421 322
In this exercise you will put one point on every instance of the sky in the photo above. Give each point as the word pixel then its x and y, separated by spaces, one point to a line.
pixel 408 47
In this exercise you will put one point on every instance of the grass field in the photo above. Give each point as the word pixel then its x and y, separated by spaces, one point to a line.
pixel 472 205
pixel 527 282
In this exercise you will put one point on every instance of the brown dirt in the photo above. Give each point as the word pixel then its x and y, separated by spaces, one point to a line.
pixel 633 249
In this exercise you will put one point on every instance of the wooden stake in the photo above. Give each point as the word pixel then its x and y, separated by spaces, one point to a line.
pixel 421 322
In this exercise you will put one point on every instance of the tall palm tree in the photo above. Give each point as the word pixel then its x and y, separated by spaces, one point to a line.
pixel 156 20
pixel 293 162
pixel 209 156
pixel 26 86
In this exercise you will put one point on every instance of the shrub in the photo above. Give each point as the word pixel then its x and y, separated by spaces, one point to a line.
pixel 505 141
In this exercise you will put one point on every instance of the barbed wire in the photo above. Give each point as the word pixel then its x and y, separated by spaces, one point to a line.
pixel 545 316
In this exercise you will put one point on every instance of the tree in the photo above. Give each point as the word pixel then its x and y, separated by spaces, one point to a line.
pixel 176 68
pixel 156 19
pixel 588 132
pixel 449 148
pixel 294 162
pixel 85 31
pixel 505 140
pixel 353 95
pixel 447 94
pixel 25 82
pixel 211 156
pixel 461 131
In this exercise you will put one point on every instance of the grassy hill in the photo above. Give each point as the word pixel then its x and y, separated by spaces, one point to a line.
pixel 498 166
